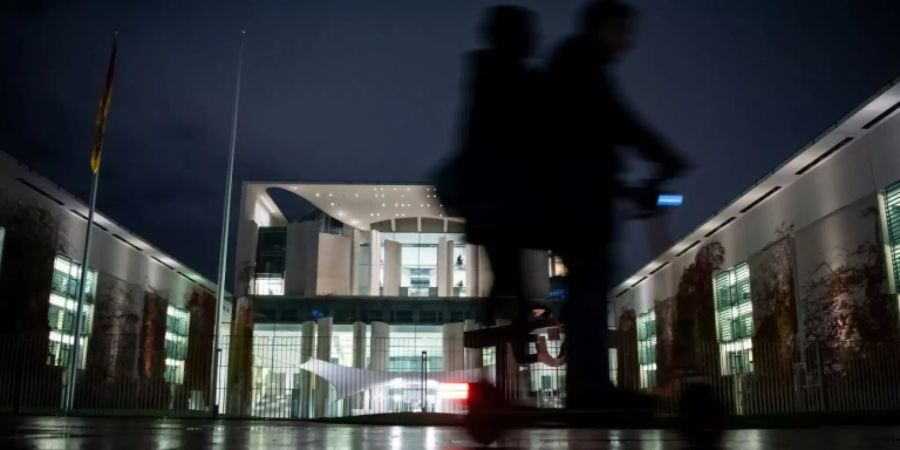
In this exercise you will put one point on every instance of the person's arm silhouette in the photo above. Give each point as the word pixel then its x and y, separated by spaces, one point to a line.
pixel 632 132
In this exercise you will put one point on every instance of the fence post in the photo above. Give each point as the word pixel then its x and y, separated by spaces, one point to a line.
pixel 424 380
pixel 820 385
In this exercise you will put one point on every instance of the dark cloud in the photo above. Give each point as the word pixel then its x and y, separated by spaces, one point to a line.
pixel 346 90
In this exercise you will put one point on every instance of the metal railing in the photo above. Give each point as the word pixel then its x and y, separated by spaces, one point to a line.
pixel 328 376
pixel 776 378
pixel 114 377
pixel 335 376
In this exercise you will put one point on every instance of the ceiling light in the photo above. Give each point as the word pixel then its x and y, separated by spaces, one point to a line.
pixel 371 214
pixel 395 205
pixel 329 194
pixel 356 195
pixel 429 205
pixel 355 222
pixel 332 203
pixel 340 213
pixel 317 194
pixel 383 205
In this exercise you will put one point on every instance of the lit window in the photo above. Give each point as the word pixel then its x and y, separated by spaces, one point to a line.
pixel 892 220
pixel 646 337
pixel 63 307
pixel 734 319
pixel 614 366
pixel 557 267
pixel 263 285
pixel 177 325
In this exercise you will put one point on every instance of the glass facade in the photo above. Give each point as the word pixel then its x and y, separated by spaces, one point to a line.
pixel 277 355
pixel 271 246
pixel 892 240
pixel 418 263
pixel 419 260
pixel 734 319
pixel 646 337
pixel 177 326
pixel 63 307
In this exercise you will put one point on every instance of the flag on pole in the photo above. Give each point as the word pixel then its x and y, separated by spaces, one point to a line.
pixel 102 112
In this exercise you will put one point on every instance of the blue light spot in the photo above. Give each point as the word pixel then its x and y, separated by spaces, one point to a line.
pixel 669 200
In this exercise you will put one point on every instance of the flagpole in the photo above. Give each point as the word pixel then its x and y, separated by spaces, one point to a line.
pixel 82 279
pixel 223 244
pixel 102 112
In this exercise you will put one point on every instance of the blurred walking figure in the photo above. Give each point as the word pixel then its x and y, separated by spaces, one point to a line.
pixel 499 112
pixel 587 125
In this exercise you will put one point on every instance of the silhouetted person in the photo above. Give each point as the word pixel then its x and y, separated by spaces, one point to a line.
pixel 587 125
pixel 500 111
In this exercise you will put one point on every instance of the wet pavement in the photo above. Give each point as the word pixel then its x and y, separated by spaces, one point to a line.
pixel 134 434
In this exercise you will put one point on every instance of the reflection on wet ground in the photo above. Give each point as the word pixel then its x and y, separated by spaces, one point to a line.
pixel 83 433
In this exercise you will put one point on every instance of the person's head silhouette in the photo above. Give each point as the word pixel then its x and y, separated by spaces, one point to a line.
pixel 508 29
pixel 612 24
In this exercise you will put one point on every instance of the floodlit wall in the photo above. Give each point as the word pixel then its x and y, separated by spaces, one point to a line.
pixel 816 254
pixel 135 287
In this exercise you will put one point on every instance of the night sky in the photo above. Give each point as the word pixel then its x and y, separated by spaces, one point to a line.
pixel 370 91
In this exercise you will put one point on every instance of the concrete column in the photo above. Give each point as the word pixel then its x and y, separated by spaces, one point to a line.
pixel 201 306
pixel 453 347
pixel 450 263
pixel 359 361
pixel 354 261
pixel 391 268
pixel 471 270
pixel 443 282
pixel 301 259
pixel 152 364
pixel 112 351
pixel 323 353
pixel 485 276
pixel 375 263
pixel 358 276
pixel 473 356
pixel 535 274
pixel 379 349
pixel 245 256
pixel 453 359
pixel 334 265
pixel 240 359
pixel 307 344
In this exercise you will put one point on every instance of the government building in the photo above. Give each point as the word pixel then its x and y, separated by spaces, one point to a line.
pixel 786 299
pixel 378 282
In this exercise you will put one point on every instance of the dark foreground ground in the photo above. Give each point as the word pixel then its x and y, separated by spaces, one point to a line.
pixel 134 434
